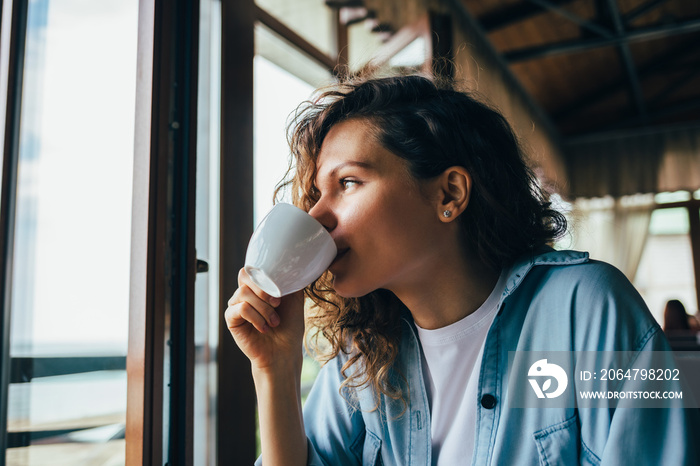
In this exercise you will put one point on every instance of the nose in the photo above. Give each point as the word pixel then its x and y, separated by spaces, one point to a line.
pixel 322 212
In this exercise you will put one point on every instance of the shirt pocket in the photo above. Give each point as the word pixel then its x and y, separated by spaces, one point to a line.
pixel 560 444
pixel 371 450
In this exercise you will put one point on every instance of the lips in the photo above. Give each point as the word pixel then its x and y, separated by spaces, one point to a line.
pixel 339 256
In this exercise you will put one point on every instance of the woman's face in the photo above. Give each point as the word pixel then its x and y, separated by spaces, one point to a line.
pixel 384 227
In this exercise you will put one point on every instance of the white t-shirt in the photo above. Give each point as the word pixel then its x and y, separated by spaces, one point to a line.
pixel 451 364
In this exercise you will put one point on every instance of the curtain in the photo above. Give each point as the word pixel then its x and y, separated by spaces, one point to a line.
pixel 613 230
pixel 618 165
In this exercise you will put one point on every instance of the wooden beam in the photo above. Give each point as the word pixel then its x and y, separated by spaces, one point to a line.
pixel 576 46
pixel 341 45
pixel 641 10
pixel 584 23
pixel 630 132
pixel 345 3
pixel 295 39
pixel 691 204
pixel 442 55
pixel 515 13
pixel 612 15
pixel 686 105
pixel 664 62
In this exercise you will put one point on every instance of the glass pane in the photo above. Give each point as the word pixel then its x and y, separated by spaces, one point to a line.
pixel 411 56
pixel 363 44
pixel 311 19
pixel 207 312
pixel 673 221
pixel 276 50
pixel 676 196
pixel 70 282
pixel 666 268
pixel 277 94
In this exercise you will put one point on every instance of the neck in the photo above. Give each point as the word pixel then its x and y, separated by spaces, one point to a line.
pixel 447 290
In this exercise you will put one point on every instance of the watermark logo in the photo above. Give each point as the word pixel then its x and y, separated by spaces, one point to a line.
pixel 604 379
pixel 543 370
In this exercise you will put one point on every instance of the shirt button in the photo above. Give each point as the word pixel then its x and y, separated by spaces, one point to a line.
pixel 488 401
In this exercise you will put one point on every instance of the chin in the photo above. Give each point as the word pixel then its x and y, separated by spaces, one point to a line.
pixel 348 290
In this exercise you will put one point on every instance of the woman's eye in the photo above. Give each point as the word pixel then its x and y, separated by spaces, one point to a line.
pixel 347 183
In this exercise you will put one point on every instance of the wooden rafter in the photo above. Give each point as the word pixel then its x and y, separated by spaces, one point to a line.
pixel 581 45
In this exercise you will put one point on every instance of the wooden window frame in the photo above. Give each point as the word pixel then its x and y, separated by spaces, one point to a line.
pixel 163 262
pixel 161 302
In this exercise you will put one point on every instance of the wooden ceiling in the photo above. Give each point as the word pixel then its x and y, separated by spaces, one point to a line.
pixel 601 65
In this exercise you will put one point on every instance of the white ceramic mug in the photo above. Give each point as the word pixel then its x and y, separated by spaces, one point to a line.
pixel 288 250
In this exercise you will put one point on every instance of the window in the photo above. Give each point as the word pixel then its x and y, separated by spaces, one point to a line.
pixel 70 277
pixel 206 304
pixel 280 86
pixel 96 272
pixel 666 268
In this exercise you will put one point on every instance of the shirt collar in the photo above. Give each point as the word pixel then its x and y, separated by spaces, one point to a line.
pixel 543 256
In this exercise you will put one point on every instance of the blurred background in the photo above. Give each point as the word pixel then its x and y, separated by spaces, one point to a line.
pixel 143 140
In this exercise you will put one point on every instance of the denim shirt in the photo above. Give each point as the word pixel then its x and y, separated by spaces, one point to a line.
pixel 553 301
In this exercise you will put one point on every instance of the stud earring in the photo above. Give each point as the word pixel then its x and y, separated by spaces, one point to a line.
pixel 447 214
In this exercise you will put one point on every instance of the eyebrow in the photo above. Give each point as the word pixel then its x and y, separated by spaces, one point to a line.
pixel 340 166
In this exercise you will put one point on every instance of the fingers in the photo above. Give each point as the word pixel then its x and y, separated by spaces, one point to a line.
pixel 243 313
pixel 251 305
pixel 244 279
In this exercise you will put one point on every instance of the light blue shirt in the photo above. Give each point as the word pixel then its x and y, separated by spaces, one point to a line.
pixel 553 301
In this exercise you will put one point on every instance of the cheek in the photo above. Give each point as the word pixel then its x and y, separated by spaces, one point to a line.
pixel 409 214
pixel 362 215
pixel 355 213
pixel 385 220
pixel 400 227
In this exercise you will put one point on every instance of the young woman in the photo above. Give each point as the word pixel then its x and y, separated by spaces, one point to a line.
pixel 442 269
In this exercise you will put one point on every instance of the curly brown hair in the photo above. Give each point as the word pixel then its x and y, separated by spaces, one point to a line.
pixel 432 126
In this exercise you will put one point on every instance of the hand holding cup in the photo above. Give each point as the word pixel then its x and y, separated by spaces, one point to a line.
pixel 288 250
pixel 268 330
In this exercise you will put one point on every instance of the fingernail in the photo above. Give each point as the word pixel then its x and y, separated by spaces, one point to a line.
pixel 274 320
pixel 265 328
pixel 275 301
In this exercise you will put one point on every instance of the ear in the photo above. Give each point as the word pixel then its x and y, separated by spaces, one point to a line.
pixel 455 186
